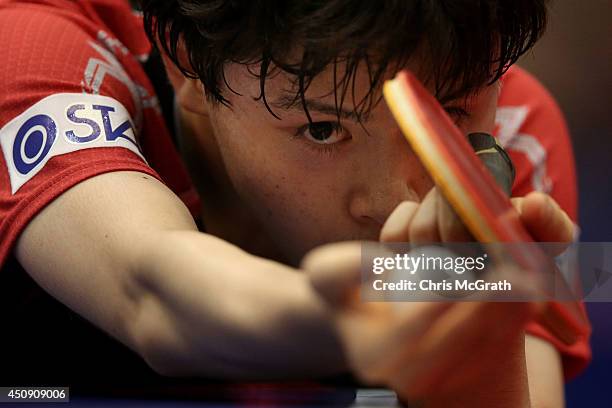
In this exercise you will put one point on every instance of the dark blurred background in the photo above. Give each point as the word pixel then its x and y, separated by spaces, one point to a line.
pixel 574 61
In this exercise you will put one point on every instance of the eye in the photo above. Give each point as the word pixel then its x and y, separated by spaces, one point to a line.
pixel 457 114
pixel 323 133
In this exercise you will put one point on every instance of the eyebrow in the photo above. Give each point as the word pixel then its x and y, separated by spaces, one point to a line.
pixel 314 105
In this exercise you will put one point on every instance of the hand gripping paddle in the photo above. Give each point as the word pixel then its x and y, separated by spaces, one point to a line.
pixel 472 191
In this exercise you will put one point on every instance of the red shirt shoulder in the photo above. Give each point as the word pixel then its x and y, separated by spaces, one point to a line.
pixel 75 102
pixel 530 125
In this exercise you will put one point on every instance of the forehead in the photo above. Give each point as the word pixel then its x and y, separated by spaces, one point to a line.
pixel 280 88
pixel 335 87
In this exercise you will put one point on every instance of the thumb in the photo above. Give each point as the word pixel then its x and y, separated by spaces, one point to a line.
pixel 334 271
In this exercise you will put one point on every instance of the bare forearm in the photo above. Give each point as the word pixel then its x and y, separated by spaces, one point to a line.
pixel 208 308
pixel 122 251
pixel 545 373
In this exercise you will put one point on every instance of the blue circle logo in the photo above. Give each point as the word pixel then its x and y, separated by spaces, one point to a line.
pixel 33 142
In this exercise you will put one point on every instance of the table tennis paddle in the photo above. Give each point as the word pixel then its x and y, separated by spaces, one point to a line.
pixel 472 191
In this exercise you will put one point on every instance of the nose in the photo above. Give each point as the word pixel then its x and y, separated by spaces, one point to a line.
pixel 394 174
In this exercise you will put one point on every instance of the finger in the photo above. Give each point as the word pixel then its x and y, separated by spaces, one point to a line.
pixel 544 218
pixel 545 221
pixel 334 270
pixel 397 225
pixel 451 228
pixel 424 225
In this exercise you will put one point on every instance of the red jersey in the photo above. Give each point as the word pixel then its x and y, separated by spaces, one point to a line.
pixel 531 127
pixel 76 102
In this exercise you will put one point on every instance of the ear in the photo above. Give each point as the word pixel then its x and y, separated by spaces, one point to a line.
pixel 189 92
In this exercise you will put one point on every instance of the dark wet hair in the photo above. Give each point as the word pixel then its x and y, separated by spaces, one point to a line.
pixel 462 44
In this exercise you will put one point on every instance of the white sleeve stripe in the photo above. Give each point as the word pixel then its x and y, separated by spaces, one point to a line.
pixel 509 120
pixel 536 154
pixel 60 124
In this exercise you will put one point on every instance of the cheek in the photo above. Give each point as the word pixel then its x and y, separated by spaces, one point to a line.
pixel 484 108
pixel 295 193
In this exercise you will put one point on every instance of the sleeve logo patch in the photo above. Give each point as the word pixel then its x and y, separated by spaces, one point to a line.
pixel 60 124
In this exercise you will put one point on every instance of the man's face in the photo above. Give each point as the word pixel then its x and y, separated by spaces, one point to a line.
pixel 313 184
